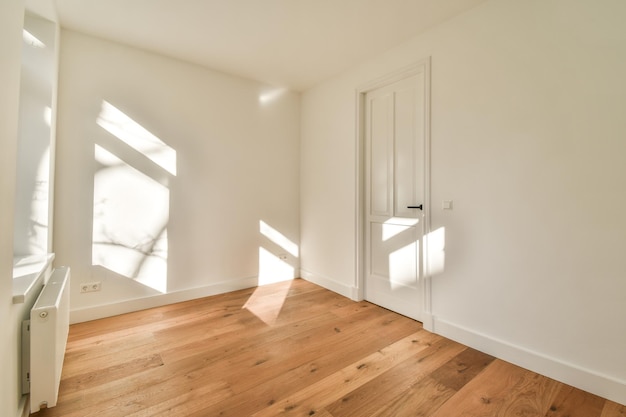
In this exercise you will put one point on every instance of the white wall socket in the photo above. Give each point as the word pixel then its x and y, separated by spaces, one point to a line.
pixel 90 286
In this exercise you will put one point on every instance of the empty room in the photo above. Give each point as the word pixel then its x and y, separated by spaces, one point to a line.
pixel 313 208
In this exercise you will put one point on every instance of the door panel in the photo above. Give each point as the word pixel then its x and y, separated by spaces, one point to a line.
pixel 394 155
pixel 393 255
pixel 408 153
pixel 381 161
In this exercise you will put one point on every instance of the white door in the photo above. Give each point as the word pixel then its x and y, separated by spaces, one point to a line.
pixel 394 195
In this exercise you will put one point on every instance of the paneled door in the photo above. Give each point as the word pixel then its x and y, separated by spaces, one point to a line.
pixel 395 129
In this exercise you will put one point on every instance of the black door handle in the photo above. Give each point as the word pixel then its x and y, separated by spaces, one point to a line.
pixel 415 207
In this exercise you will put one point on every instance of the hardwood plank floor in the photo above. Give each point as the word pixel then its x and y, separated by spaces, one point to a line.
pixel 294 349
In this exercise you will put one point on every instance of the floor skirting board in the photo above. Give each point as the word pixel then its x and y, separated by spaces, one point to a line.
pixel 579 377
pixel 128 306
pixel 330 284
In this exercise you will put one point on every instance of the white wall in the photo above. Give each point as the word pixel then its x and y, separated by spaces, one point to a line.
pixel 528 140
pixel 11 20
pixel 237 164
pixel 328 186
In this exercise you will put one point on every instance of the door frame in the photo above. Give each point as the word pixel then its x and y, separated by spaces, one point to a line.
pixel 425 283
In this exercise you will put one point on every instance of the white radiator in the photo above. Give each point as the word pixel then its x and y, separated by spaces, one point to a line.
pixel 49 327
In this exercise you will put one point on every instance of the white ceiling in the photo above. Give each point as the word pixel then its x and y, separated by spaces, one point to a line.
pixel 291 43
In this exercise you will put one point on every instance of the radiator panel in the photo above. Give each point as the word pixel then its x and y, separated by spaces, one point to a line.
pixel 49 328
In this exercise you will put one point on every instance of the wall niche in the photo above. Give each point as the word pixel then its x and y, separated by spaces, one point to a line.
pixel 32 231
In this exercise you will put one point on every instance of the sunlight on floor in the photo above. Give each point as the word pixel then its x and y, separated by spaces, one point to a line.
pixel 267 301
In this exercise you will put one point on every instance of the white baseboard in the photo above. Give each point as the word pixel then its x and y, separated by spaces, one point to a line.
pixel 128 306
pixel 428 321
pixel 579 377
pixel 330 284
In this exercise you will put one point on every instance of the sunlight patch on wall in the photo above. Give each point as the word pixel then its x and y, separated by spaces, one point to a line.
pixel 436 251
pixel 278 238
pixel 270 95
pixel 32 40
pixel 36 231
pixel 47 116
pixel 130 217
pixel 136 136
pixel 131 206
pixel 404 265
pixel 273 269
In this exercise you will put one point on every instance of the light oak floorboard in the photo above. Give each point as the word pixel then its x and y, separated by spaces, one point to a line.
pixel 294 349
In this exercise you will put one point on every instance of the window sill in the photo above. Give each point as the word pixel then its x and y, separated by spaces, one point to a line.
pixel 28 271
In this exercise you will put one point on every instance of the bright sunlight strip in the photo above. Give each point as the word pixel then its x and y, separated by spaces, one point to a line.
pixel 137 137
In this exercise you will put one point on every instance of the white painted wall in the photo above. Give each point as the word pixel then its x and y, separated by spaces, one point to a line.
pixel 528 140
pixel 237 164
pixel 328 186
pixel 11 20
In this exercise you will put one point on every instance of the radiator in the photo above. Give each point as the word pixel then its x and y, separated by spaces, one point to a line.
pixel 47 330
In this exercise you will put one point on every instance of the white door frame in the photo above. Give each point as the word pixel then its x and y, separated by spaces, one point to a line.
pixel 425 283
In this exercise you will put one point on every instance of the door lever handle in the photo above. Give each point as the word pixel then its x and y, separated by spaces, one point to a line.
pixel 415 207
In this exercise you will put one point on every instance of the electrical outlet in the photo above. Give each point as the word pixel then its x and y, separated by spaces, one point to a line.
pixel 90 286
pixel 282 256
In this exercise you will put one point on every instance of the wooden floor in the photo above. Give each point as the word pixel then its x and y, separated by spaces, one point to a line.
pixel 294 349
